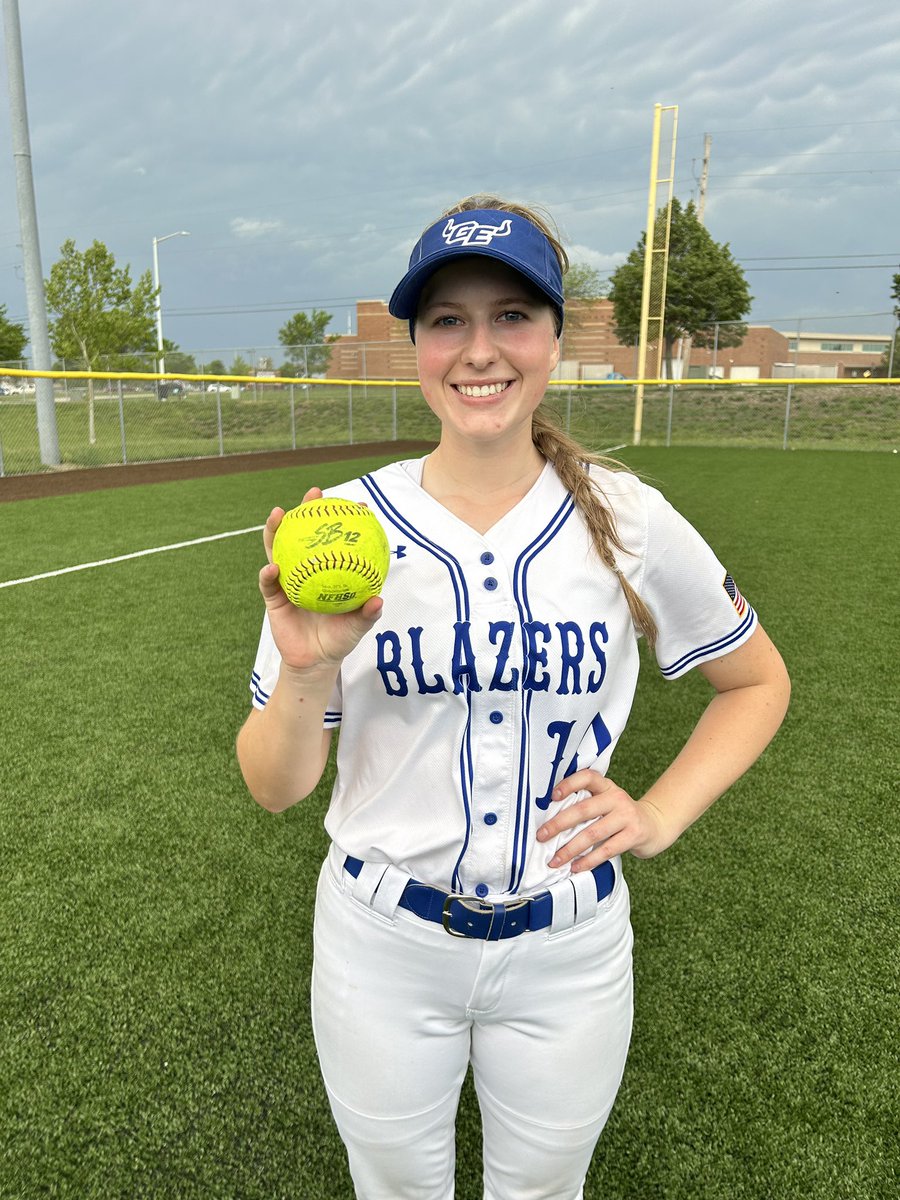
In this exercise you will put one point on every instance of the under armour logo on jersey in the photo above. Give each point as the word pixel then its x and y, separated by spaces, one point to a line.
pixel 399 553
pixel 472 233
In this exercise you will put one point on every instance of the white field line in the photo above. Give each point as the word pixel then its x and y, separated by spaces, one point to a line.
pixel 105 562
pixel 613 449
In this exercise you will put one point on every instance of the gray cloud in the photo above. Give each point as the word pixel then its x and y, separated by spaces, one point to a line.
pixel 304 147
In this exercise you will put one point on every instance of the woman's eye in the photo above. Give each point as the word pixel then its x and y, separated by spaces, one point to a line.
pixel 513 315
pixel 447 321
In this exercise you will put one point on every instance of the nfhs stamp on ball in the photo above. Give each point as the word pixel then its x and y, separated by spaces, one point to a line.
pixel 333 555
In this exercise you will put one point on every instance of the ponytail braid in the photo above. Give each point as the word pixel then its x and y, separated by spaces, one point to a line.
pixel 569 460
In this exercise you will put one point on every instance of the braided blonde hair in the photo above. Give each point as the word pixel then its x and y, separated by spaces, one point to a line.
pixel 569 458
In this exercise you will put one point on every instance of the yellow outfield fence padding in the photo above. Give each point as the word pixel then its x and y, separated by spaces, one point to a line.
pixel 107 418
pixel 318 381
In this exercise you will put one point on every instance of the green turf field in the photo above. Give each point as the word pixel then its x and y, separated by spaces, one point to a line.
pixel 154 960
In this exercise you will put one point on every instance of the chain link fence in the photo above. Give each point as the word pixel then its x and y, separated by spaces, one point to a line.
pixel 127 419
pixel 821 414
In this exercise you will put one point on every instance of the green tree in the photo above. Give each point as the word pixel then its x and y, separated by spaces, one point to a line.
pixel 706 292
pixel 216 367
pixel 101 316
pixel 581 286
pixel 177 362
pixel 13 338
pixel 306 342
pixel 582 282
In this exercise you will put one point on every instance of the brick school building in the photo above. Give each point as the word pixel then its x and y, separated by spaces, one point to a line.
pixel 381 349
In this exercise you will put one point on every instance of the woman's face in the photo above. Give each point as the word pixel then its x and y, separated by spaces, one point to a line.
pixel 486 344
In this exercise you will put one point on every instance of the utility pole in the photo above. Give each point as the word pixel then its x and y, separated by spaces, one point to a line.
pixel 704 176
pixel 687 342
pixel 160 345
pixel 48 437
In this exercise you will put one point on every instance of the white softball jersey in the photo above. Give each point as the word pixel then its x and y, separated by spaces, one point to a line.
pixel 502 663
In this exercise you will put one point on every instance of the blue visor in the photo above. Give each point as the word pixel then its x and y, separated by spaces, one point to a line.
pixel 509 238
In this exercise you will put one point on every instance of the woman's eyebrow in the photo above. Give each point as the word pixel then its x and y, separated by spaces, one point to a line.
pixel 499 303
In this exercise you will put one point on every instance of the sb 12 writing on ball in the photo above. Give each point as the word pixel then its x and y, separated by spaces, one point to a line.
pixel 332 554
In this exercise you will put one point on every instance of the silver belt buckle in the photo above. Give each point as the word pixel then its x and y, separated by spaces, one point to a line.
pixel 473 904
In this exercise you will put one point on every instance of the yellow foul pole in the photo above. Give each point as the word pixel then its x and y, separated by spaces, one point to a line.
pixel 651 251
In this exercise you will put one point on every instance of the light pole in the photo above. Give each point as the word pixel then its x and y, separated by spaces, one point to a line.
pixel 159 335
pixel 45 406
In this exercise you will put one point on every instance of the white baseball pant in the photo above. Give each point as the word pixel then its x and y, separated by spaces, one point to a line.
pixel 399 1010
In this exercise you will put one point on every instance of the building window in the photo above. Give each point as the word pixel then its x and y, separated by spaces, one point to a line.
pixel 875 347
pixel 792 344
pixel 837 346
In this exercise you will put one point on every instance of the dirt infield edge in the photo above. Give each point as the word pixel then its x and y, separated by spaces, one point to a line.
pixel 67 482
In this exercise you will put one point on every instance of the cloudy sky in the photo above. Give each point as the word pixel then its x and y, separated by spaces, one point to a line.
pixel 304 146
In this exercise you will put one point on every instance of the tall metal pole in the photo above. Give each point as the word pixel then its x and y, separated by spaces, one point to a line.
pixel 648 268
pixel 160 360
pixel 48 438
pixel 650 250
pixel 704 177
pixel 159 334
pixel 688 342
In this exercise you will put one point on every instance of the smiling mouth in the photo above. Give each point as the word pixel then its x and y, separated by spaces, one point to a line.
pixel 485 389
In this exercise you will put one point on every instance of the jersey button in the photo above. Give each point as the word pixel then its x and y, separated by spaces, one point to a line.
pixel 482 890
pixel 487 558
pixel 490 583
pixel 496 717
pixel 490 818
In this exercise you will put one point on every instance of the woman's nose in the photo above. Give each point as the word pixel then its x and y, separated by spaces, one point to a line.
pixel 481 347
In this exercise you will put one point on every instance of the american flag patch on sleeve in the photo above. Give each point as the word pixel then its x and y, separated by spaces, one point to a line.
pixel 734 595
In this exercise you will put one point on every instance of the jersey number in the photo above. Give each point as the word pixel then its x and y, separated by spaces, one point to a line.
pixel 595 741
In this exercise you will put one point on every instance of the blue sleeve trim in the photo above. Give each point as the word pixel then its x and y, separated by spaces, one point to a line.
pixel 261 697
pixel 711 649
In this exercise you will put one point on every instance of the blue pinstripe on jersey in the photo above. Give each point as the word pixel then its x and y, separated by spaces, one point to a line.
pixel 393 514
pixel 520 595
pixel 463 613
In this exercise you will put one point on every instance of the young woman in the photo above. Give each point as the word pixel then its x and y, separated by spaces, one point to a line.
pixel 472 909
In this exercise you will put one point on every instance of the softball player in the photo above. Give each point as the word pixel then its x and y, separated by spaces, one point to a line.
pixel 473 909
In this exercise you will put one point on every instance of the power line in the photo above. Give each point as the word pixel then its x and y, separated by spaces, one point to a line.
pixel 799 257
pixel 826 153
pixel 849 267
pixel 802 174
pixel 816 125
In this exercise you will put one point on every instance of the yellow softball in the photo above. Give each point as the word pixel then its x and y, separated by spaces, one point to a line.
pixel 333 555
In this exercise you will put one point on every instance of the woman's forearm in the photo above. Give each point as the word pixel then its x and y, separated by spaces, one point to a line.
pixel 282 749
pixel 752 692
pixel 731 734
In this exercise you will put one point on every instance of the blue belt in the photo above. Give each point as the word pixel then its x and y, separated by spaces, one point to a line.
pixel 469 917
